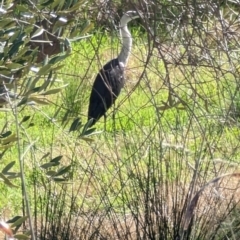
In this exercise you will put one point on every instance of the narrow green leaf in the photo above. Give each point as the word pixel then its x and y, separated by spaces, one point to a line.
pixel 34 90
pixel 87 139
pixel 38 32
pixel 14 219
pixel 45 69
pixel 88 132
pixel 73 34
pixel 74 7
pixel 51 173
pixel 2 68
pixel 28 29
pixel 59 179
pixel 46 60
pixel 38 100
pixel 57 59
pixel 8 167
pixel 9 139
pixel 25 118
pixel 47 165
pixel 22 8
pixel 7 181
pixel 88 26
pixel 14 66
pixel 14 36
pixel 58 67
pixel 57 159
pixel 23 101
pixel 75 125
pixel 58 4
pixel 6 73
pixel 47 82
pixel 21 236
pixel 86 126
pixel 6 134
pixel 19 221
pixel 6 22
pixel 63 170
pixel 65 118
pixel 44 156
pixel 48 2
pixel 14 48
pixel 23 52
pixel 54 91
pixel 6 52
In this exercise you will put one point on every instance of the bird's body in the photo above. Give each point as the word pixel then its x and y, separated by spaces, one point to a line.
pixel 110 79
pixel 105 90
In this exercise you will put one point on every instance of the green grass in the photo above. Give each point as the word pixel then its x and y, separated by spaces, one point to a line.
pixel 153 139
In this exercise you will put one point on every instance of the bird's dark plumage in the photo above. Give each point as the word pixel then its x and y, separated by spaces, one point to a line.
pixel 110 79
pixel 105 90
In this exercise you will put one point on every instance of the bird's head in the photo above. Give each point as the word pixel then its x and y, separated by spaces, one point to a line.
pixel 127 17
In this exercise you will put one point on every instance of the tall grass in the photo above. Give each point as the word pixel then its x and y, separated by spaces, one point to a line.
pixel 139 179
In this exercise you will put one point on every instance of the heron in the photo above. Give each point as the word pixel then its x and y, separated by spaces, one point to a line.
pixel 110 79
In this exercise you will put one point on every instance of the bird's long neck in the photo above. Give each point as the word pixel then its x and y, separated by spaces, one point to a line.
pixel 126 44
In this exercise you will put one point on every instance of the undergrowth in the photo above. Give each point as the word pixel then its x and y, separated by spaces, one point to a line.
pixel 165 167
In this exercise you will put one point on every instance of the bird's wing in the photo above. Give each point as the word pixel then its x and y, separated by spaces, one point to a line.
pixel 101 97
pixel 97 105
pixel 106 88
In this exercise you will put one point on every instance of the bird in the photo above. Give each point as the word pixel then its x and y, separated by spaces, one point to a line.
pixel 110 79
